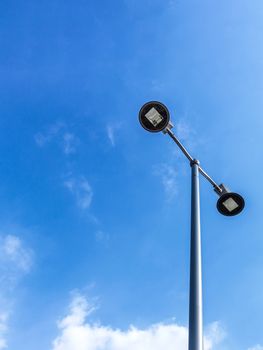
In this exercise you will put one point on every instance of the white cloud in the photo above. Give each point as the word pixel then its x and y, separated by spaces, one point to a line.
pixel 111 132
pixel 58 132
pixel 168 177
pixel 214 334
pixel 69 143
pixel 79 310
pixel 257 347
pixel 187 135
pixel 3 329
pixel 102 237
pixel 16 260
pixel 14 252
pixel 77 333
pixel 43 138
pixel 81 190
pixel 183 130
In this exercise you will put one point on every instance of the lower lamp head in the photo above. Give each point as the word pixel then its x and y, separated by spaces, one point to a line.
pixel 230 204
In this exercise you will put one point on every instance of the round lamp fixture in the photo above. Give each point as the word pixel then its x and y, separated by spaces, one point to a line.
pixel 230 204
pixel 154 116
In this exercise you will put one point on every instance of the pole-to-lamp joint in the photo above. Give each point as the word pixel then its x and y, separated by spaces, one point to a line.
pixel 168 128
pixel 194 161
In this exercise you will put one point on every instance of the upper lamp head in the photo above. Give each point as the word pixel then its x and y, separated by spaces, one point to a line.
pixel 229 203
pixel 154 116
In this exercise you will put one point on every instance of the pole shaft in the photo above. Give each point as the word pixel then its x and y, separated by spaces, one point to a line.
pixel 195 302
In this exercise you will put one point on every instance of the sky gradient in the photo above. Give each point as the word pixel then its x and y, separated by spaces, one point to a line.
pixel 94 211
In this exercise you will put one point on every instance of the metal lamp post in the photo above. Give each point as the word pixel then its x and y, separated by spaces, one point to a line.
pixel 154 117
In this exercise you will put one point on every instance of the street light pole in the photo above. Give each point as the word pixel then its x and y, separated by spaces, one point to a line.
pixel 155 117
pixel 195 339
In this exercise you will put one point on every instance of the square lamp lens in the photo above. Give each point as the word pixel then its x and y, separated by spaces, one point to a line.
pixel 154 117
pixel 230 204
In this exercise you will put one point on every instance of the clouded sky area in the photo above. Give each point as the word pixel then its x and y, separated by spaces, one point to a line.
pixel 94 211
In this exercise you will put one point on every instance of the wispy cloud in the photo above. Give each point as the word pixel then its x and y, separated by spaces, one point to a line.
pixel 168 177
pixel 58 132
pixel 3 329
pixel 16 260
pixel 77 333
pixel 186 134
pixel 80 188
pixel 257 347
pixel 42 138
pixel 13 251
pixel 15 256
pixel 183 130
pixel 69 143
pixel 102 237
pixel 215 334
pixel 112 128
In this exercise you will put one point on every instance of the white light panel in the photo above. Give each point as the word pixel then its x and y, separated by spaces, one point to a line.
pixel 154 116
pixel 230 204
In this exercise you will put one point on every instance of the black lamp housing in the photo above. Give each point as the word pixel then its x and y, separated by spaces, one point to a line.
pixel 154 116
pixel 229 203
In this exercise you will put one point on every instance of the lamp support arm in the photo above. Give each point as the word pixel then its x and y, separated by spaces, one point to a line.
pixel 168 131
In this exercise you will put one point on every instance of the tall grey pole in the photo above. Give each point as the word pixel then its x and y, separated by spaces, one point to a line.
pixel 154 117
pixel 195 341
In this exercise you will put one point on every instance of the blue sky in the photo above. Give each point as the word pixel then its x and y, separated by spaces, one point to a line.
pixel 94 211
